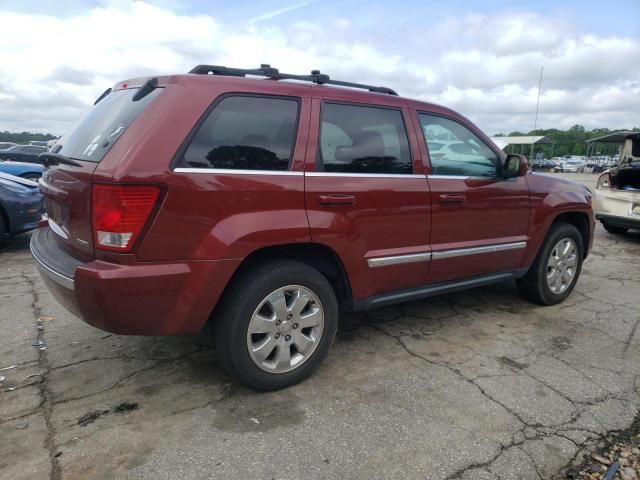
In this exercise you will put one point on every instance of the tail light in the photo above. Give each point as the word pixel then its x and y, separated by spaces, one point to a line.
pixel 120 212
pixel 604 181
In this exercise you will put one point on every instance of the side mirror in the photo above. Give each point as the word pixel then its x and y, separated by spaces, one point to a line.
pixel 515 166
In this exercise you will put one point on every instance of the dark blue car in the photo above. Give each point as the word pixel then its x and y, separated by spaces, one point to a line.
pixel 21 205
pixel 23 153
pixel 32 171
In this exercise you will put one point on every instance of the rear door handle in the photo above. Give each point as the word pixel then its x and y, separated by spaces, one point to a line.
pixel 335 199
pixel 452 198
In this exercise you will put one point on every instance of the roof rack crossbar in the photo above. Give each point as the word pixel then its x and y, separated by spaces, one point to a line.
pixel 266 70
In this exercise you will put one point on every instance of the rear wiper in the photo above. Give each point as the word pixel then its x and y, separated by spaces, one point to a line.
pixel 50 158
pixel 104 94
pixel 148 87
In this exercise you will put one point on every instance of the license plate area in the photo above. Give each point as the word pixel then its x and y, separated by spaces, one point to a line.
pixel 58 218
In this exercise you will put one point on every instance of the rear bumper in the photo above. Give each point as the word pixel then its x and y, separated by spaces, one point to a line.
pixel 165 298
pixel 621 222
pixel 616 207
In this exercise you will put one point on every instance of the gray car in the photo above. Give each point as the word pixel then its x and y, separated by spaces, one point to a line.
pixel 21 205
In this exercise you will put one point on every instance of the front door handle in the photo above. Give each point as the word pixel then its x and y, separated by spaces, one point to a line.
pixel 334 199
pixel 452 198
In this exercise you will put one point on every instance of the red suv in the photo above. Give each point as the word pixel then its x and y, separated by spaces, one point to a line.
pixel 269 205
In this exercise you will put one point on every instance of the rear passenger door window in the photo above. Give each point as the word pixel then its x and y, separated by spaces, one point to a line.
pixel 245 133
pixel 363 139
pixel 454 150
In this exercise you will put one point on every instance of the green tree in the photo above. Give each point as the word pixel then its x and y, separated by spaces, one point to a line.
pixel 569 142
pixel 24 137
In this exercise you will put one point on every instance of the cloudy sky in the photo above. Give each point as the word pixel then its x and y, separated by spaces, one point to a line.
pixel 480 58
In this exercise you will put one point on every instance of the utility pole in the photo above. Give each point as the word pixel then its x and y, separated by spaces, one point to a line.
pixel 535 121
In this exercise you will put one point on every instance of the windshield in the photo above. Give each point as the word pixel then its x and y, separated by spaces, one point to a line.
pixel 99 130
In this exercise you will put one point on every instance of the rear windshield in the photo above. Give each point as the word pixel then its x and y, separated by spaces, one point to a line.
pixel 99 130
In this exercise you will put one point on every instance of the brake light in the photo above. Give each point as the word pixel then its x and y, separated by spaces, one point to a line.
pixel 119 214
pixel 604 181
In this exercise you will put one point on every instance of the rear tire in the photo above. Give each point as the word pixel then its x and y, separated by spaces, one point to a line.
pixel 261 338
pixel 613 229
pixel 553 275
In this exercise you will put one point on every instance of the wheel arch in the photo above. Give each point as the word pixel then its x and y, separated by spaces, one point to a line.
pixel 316 255
pixel 577 217
pixel 580 220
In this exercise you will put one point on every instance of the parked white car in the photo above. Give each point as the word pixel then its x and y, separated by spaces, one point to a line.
pixel 617 195
pixel 573 166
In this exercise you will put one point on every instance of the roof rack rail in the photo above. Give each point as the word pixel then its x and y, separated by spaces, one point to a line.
pixel 268 71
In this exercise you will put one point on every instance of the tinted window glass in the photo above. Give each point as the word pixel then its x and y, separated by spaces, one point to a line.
pixel 33 149
pixel 98 131
pixel 456 150
pixel 363 140
pixel 248 133
pixel 635 147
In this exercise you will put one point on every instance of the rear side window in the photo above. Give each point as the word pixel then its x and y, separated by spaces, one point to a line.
pixel 245 133
pixel 98 131
pixel 358 139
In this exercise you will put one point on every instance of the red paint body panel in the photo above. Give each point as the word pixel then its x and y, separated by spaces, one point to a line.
pixel 390 216
pixel 551 197
pixel 151 299
pixel 493 211
pixel 206 223
pixel 146 299
pixel 484 211
pixel 67 200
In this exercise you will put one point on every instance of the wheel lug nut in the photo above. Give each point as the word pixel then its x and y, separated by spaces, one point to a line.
pixel 277 335
pixel 278 322
pixel 289 317
pixel 287 337
pixel 295 325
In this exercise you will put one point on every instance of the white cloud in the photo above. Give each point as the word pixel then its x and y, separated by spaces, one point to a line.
pixel 485 66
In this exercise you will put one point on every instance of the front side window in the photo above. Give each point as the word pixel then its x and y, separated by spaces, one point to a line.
pixel 355 139
pixel 245 133
pixel 455 150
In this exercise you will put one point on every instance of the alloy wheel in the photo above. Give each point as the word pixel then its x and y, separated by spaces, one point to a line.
pixel 285 329
pixel 561 266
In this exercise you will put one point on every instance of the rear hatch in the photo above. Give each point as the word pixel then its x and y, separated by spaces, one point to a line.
pixel 67 185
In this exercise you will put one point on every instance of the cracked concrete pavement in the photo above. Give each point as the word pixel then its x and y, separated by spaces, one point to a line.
pixel 473 385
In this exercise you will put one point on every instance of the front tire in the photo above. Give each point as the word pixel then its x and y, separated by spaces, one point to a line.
pixel 613 229
pixel 556 269
pixel 275 324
